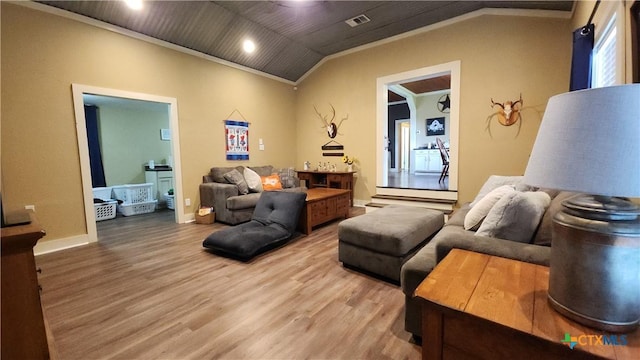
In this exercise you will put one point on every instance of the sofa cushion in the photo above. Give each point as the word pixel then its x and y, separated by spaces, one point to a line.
pixel 262 170
pixel 479 211
pixel 287 177
pixel 271 182
pixel 543 235
pixel 243 201
pixel 254 182
pixel 495 181
pixel 217 173
pixel 236 178
pixel 515 216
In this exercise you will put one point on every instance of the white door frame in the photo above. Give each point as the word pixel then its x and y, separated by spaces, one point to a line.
pixel 382 87
pixel 83 147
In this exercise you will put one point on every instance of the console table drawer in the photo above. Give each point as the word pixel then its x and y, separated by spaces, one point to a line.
pixel 342 204
pixel 318 211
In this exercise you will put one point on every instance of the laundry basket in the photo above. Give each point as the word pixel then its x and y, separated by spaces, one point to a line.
pixel 107 209
pixel 136 199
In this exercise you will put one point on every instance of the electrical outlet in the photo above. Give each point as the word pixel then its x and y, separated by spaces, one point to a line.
pixel 187 202
pixel 30 207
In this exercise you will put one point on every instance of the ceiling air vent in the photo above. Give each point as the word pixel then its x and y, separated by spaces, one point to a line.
pixel 358 20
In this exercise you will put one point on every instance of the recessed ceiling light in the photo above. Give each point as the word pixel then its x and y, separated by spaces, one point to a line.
pixel 134 4
pixel 248 46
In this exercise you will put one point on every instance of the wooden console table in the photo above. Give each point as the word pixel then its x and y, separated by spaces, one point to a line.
pixel 328 179
pixel 486 307
pixel 23 329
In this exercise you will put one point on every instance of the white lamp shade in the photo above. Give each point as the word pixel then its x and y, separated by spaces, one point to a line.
pixel 589 142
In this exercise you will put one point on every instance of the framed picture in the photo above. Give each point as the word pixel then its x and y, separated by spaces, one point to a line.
pixel 435 126
pixel 165 134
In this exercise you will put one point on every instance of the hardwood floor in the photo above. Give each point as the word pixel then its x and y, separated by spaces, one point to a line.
pixel 148 290
pixel 426 181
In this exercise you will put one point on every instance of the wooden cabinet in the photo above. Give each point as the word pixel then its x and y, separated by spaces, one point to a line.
pixel 23 329
pixel 323 205
pixel 329 179
pixel 162 180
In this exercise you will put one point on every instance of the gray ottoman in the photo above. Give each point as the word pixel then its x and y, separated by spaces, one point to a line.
pixel 381 241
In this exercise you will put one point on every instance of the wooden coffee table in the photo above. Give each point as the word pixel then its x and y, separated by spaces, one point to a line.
pixel 323 205
pixel 486 307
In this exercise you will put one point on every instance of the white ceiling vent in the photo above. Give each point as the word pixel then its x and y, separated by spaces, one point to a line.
pixel 358 20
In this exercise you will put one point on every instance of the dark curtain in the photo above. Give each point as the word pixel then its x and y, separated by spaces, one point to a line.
pixel 581 59
pixel 95 155
pixel 395 112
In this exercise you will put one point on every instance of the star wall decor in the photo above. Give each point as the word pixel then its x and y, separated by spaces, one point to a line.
pixel 444 104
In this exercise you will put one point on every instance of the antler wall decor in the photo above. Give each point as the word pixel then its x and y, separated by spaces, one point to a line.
pixel 508 114
pixel 329 124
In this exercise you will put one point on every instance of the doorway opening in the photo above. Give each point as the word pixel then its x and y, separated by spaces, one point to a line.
pixel 88 95
pixel 445 125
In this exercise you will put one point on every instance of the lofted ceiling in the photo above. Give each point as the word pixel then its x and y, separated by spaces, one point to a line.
pixel 291 36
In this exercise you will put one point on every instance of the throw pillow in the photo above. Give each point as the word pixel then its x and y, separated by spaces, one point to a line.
pixel 254 182
pixel 263 170
pixel 516 216
pixel 217 173
pixel 271 182
pixel 234 177
pixel 287 177
pixel 479 211
pixel 495 181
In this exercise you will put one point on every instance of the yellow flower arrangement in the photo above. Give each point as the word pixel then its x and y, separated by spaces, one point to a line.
pixel 348 160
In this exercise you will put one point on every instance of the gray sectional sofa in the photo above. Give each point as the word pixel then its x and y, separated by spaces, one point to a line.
pixel 453 235
pixel 230 205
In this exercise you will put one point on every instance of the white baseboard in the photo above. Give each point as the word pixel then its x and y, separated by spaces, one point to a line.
pixel 45 247
pixel 189 218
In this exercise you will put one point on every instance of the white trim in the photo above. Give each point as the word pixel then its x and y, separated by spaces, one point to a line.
pixel 426 194
pixel 83 147
pixel 555 14
pixel 126 32
pixel 604 21
pixel 382 86
pixel 46 247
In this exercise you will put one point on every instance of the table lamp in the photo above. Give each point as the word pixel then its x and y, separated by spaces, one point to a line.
pixel 589 143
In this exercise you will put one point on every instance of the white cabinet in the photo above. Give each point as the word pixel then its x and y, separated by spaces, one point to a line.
pixel 422 161
pixel 435 161
pixel 162 181
pixel 428 160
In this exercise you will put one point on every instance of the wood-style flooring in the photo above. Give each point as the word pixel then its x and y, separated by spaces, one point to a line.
pixel 148 290
pixel 423 181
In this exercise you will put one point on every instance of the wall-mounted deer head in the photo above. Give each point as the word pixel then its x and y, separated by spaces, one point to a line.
pixel 329 124
pixel 509 112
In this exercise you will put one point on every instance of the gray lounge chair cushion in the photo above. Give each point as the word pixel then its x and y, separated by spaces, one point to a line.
pixel 273 222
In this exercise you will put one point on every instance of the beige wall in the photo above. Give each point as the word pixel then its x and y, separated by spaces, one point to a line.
pixel 501 58
pixel 43 54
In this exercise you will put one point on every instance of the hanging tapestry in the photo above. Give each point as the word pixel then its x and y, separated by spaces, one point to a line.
pixel 237 135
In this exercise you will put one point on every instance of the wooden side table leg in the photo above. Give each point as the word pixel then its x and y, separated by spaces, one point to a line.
pixel 432 333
